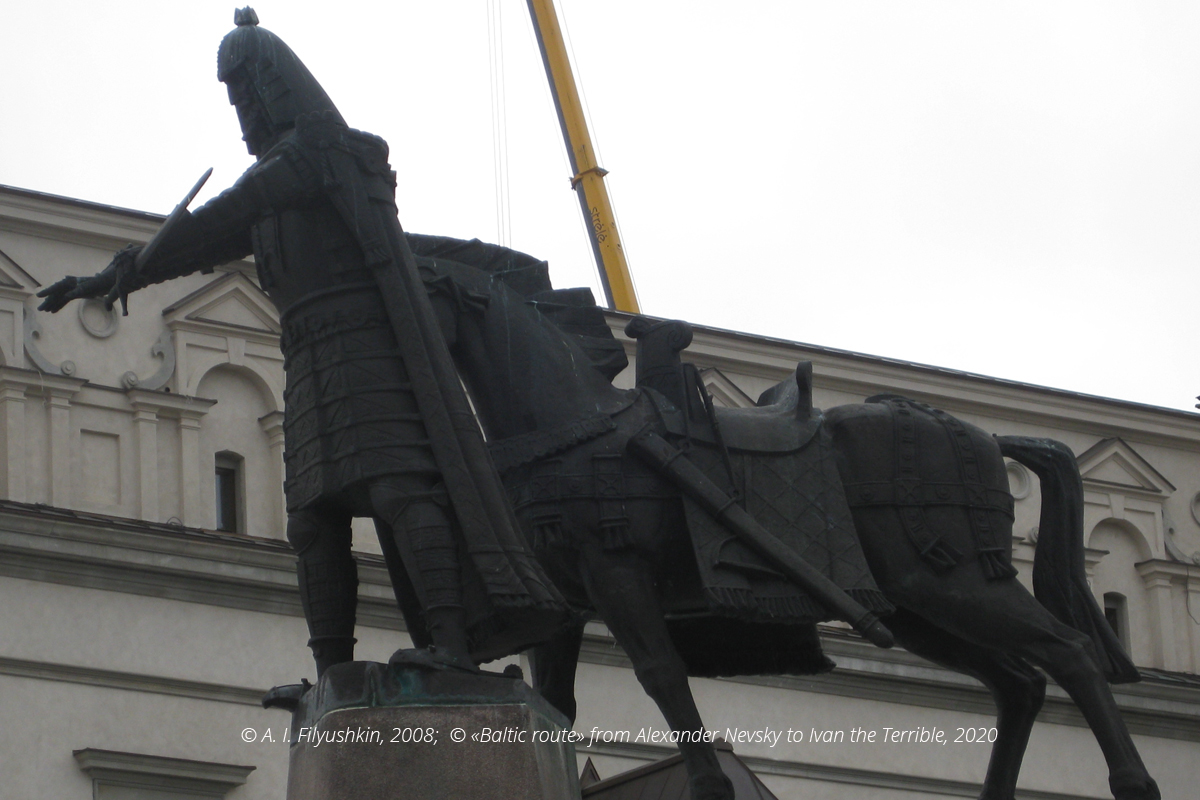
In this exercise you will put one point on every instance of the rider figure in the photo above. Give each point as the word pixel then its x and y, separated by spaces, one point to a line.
pixel 317 210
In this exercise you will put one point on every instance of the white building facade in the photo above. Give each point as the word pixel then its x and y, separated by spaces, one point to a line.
pixel 150 593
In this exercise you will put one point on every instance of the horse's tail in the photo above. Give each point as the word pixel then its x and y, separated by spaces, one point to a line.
pixel 1059 578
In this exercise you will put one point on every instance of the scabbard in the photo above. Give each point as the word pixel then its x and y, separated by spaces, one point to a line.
pixel 670 463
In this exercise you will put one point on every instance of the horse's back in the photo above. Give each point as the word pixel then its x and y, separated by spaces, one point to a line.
pixel 926 489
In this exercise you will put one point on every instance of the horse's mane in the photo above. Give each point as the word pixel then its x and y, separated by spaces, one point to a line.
pixel 572 311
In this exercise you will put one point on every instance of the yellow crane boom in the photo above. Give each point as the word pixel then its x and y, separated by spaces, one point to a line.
pixel 588 177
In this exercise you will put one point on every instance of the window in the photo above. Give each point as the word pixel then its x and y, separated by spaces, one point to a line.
pixel 135 776
pixel 229 493
pixel 1117 614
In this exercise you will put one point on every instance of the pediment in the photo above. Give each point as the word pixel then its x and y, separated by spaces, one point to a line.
pixel 231 302
pixel 14 278
pixel 724 391
pixel 1113 464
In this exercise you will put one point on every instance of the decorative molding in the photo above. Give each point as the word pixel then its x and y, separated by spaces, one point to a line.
pixel 164 348
pixel 955 391
pixel 825 773
pixel 896 676
pixel 1111 464
pixel 724 391
pixel 1020 482
pixel 15 278
pixel 77 221
pixel 230 303
pixel 112 319
pixel 179 777
pixel 130 681
pixel 94 551
pixel 38 383
pixel 33 332
pixel 172 562
pixel 168 404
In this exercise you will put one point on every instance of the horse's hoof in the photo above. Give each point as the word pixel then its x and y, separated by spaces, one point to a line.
pixel 1133 785
pixel 712 787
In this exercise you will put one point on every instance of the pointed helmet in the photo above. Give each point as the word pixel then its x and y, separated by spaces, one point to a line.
pixel 282 85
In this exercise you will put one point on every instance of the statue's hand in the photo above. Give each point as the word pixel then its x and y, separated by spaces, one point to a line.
pixel 59 294
pixel 107 283
pixel 71 288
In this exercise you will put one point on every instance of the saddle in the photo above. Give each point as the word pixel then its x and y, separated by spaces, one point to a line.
pixel 777 461
pixel 783 421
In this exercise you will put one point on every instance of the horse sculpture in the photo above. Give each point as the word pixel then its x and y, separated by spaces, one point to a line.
pixel 928 497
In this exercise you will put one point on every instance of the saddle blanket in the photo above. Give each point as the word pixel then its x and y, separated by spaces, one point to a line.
pixel 798 497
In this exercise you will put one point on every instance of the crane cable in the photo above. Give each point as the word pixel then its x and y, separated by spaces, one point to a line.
pixel 499 122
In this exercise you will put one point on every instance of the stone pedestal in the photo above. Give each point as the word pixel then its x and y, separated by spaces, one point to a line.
pixel 372 731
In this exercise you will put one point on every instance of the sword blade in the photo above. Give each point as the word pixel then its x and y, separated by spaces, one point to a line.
pixel 172 220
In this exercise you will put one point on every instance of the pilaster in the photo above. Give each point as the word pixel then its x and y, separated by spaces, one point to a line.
pixel 272 425
pixel 190 473
pixel 145 423
pixel 1192 601
pixel 149 409
pixel 1170 641
pixel 12 432
pixel 57 391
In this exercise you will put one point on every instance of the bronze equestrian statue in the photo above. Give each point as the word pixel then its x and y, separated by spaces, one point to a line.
pixel 376 422
pixel 903 510
pixel 905 507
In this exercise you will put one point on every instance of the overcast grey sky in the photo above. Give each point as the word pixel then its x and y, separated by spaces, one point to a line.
pixel 1005 188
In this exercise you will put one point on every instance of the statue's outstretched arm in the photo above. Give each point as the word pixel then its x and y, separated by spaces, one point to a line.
pixel 216 233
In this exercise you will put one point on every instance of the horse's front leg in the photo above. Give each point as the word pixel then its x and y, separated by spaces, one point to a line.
pixel 621 586
pixel 553 666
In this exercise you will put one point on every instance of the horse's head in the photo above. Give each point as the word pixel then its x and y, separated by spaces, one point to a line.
pixel 532 357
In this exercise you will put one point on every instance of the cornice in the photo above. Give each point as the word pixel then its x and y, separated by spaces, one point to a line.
pixel 168 403
pixel 224 330
pixel 254 574
pixel 176 776
pixel 956 391
pixel 1151 708
pixel 167 561
pixel 75 221
pixel 920 785
pixel 36 382
pixel 80 222
pixel 1160 567
pixel 131 681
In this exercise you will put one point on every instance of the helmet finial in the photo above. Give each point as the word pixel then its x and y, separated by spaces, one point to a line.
pixel 245 16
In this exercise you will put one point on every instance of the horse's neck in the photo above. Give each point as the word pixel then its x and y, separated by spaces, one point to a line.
pixel 524 373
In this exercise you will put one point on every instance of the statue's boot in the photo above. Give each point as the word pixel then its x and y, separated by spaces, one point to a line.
pixel 286 696
pixel 447 628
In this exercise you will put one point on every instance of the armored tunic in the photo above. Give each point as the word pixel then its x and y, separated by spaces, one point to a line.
pixel 350 414
pixel 362 400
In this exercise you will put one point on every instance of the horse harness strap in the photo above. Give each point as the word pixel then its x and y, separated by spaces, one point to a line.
pixel 911 496
pixel 993 557
pixel 609 485
pixel 928 493
pixel 526 448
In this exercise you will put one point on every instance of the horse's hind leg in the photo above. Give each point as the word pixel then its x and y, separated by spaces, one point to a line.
pixel 621 587
pixel 1017 689
pixel 1001 614
pixel 553 666
pixel 1074 666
